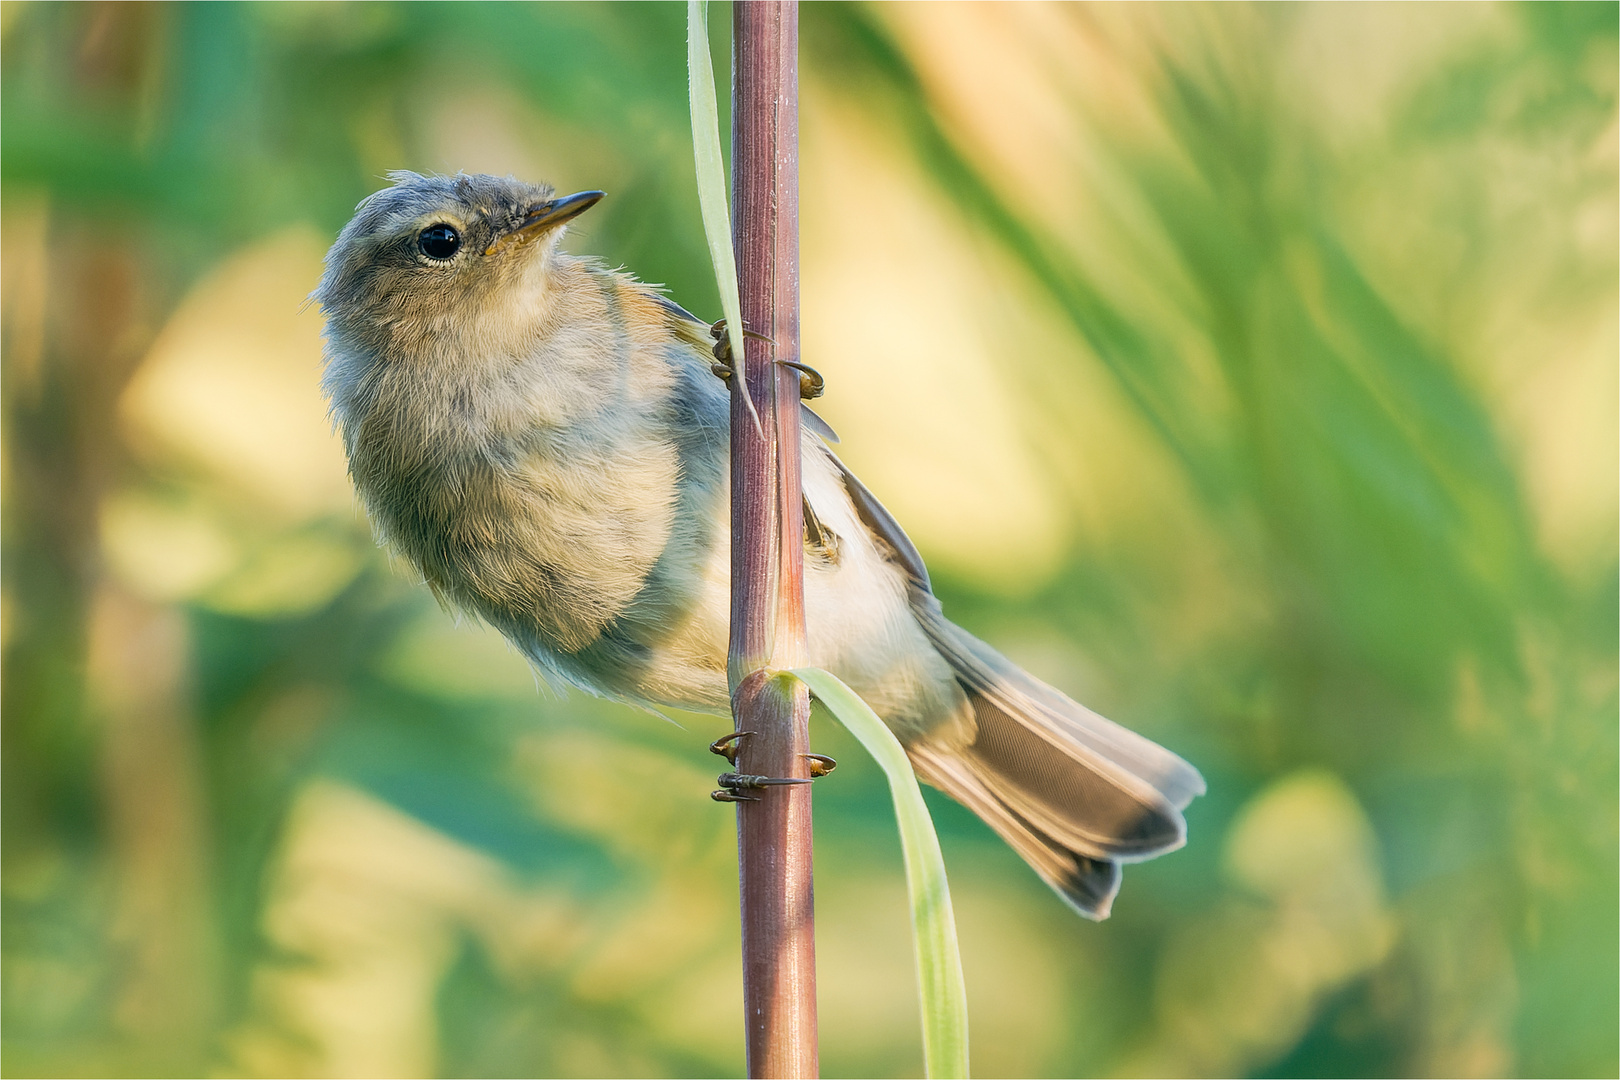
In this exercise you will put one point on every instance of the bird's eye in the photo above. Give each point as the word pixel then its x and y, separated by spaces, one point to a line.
pixel 439 241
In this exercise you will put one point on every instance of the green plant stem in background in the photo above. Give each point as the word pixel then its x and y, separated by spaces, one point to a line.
pixel 711 183
pixel 933 925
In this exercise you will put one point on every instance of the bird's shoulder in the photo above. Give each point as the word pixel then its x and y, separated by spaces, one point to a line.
pixel 656 309
pixel 640 308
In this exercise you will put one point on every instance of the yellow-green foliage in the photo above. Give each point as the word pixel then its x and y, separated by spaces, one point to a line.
pixel 1246 372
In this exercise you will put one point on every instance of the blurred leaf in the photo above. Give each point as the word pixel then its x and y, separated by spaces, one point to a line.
pixel 711 175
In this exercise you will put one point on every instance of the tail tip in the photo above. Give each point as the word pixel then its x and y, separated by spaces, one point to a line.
pixel 1091 886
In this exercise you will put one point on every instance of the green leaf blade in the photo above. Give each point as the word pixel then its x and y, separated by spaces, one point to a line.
pixel 939 960
pixel 711 184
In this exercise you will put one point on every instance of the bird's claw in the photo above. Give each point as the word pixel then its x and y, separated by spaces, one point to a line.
pixel 811 384
pixel 733 785
pixel 726 745
pixel 722 352
pixel 733 781
pixel 820 765
pixel 722 347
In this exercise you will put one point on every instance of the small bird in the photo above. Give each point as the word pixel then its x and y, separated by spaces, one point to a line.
pixel 544 439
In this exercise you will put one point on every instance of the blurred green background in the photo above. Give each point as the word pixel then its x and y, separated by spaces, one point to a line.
pixel 1247 372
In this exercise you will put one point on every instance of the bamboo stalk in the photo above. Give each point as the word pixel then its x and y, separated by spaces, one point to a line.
pixel 767 552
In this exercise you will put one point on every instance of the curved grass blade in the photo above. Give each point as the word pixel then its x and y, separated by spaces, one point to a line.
pixel 711 185
pixel 933 925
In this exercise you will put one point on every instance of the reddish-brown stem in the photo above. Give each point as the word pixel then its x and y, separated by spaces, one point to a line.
pixel 767 550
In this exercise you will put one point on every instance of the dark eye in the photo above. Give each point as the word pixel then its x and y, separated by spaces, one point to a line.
pixel 439 241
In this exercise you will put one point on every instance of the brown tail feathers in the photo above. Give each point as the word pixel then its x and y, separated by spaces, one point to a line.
pixel 1073 793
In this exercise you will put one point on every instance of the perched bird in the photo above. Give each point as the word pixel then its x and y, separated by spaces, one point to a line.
pixel 543 437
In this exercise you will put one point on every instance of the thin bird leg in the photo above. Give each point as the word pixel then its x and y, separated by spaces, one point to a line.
pixel 820 765
pixel 726 745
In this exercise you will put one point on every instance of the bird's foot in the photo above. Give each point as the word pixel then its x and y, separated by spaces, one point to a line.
pixel 820 765
pixel 811 383
pixel 722 357
pixel 733 785
pixel 722 366
pixel 726 745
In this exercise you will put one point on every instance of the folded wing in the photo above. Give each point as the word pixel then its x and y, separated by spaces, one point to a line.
pixel 1073 793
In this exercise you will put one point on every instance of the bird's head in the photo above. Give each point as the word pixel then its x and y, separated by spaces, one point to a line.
pixel 440 255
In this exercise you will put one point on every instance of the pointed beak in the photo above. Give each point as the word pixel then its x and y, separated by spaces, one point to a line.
pixel 544 216
pixel 556 211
